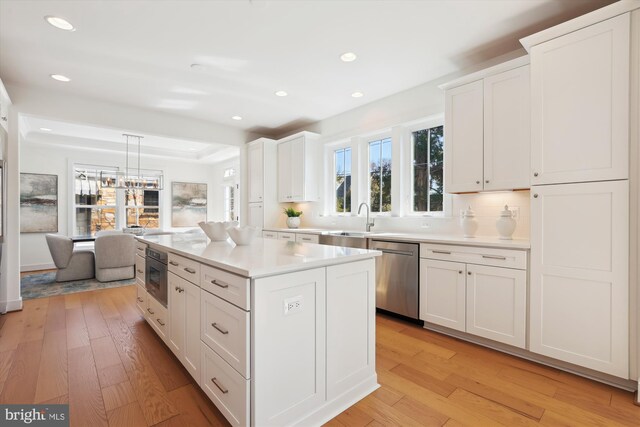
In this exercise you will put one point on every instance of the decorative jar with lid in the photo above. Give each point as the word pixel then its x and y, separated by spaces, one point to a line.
pixel 506 225
pixel 469 223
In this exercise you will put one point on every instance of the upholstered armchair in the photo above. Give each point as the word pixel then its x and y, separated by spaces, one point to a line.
pixel 72 265
pixel 115 257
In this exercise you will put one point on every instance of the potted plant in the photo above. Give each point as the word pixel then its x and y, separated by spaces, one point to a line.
pixel 293 217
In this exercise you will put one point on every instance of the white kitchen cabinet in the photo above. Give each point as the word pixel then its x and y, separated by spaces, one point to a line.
pixel 184 318
pixel 507 130
pixel 463 133
pixel 141 297
pixel 307 238
pixel 255 171
pixel 442 293
pixel 290 237
pixel 255 215
pixel 487 129
pixel 580 105
pixel 298 168
pixel 4 107
pixel 158 318
pixel 269 234
pixel 480 291
pixel 497 304
pixel 579 297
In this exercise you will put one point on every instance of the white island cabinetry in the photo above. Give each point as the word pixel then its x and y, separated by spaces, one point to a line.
pixel 285 332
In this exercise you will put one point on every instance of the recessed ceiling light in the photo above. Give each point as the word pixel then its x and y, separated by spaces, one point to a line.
pixel 236 118
pixel 45 129
pixel 281 93
pixel 60 23
pixel 357 94
pixel 60 78
pixel 348 57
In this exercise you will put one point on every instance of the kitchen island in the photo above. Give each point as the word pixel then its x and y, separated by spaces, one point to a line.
pixel 275 333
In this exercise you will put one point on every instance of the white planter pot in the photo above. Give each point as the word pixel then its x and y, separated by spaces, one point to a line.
pixel 293 222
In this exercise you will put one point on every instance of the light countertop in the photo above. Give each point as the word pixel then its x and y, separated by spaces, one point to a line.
pixel 449 239
pixel 263 257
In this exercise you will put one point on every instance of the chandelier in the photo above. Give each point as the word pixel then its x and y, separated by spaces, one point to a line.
pixel 126 179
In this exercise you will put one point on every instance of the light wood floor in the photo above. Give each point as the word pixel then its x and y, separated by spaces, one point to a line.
pixel 94 351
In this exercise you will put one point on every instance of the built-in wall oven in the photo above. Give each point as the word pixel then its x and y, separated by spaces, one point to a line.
pixel 156 275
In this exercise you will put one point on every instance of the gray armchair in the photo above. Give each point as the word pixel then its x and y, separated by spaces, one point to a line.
pixel 115 257
pixel 72 265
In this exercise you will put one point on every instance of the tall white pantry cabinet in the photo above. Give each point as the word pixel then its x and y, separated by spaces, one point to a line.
pixel 580 142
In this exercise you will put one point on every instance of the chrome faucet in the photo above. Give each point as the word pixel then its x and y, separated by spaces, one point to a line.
pixel 368 224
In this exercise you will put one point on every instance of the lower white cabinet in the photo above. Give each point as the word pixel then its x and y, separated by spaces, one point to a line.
pixel 141 297
pixel 497 304
pixel 291 237
pixel 579 310
pixel 226 388
pixel 307 238
pixel 483 300
pixel 158 317
pixel 184 330
pixel 442 293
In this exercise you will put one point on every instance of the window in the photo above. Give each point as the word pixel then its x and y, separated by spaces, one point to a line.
pixel 142 208
pixel 342 167
pixel 380 175
pixel 230 203
pixel 428 181
pixel 95 207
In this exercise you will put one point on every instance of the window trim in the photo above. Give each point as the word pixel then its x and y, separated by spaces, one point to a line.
pixel 330 169
pixel 365 141
pixel 410 130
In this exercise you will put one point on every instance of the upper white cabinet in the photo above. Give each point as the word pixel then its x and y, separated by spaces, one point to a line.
pixel 487 130
pixel 4 107
pixel 580 105
pixel 298 168
pixel 255 172
pixel 579 310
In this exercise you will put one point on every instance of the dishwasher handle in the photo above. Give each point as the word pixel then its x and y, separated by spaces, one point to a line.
pixel 394 251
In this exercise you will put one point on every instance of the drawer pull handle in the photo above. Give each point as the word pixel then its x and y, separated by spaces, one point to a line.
pixel 140 271
pixel 503 258
pixel 140 299
pixel 222 330
pixel 441 252
pixel 179 289
pixel 220 386
pixel 221 284
pixel 174 263
pixel 459 271
pixel 160 322
pixel 150 311
pixel 189 270
pixel 306 239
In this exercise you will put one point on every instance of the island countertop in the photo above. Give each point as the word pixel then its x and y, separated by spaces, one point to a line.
pixel 263 257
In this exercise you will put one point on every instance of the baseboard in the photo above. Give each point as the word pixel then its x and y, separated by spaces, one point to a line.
pixel 15 305
pixel 36 267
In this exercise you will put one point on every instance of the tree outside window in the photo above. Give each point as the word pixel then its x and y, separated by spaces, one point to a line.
pixel 342 167
pixel 380 175
pixel 428 154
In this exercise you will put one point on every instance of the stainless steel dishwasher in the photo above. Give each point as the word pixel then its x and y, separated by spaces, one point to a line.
pixel 397 283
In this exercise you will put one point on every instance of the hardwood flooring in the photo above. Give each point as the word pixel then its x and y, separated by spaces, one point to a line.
pixel 94 351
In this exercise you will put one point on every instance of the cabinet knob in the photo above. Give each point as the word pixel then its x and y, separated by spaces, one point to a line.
pixel 477 182
pixel 535 174
pixel 487 181
pixel 535 196
pixel 4 118
pixel 469 273
pixel 459 271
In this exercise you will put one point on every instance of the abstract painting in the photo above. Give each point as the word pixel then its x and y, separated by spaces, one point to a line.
pixel 38 203
pixel 188 204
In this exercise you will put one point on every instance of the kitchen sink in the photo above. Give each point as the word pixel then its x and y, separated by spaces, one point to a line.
pixel 349 239
pixel 359 234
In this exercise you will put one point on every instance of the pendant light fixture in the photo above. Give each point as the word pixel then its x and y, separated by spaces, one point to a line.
pixel 125 179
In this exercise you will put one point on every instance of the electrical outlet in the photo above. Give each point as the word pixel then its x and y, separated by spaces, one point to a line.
pixel 515 212
pixel 293 305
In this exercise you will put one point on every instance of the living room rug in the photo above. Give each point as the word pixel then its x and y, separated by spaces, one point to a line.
pixel 40 285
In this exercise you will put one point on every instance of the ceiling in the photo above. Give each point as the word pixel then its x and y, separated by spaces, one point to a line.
pixel 74 136
pixel 139 53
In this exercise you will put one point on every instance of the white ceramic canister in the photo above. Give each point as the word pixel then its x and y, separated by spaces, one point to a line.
pixel 469 223
pixel 506 225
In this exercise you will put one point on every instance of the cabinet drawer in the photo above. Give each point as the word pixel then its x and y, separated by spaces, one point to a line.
pixel 141 249
pixel 307 238
pixel 226 388
pixel 508 258
pixel 225 328
pixel 269 235
pixel 141 298
pixel 227 286
pixel 185 268
pixel 140 268
pixel 158 317
pixel 287 236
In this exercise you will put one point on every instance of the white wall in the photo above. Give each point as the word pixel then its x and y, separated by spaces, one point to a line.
pixel 38 158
